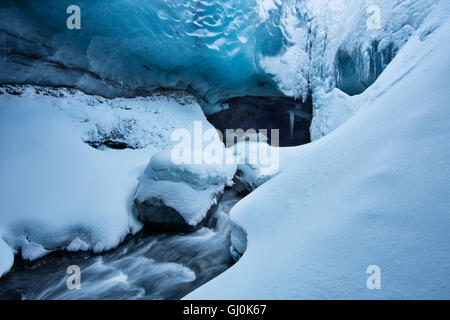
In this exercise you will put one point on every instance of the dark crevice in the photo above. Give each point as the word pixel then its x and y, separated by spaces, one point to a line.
pixel 110 144
pixel 269 113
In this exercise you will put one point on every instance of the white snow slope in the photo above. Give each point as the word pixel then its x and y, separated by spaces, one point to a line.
pixel 56 191
pixel 376 191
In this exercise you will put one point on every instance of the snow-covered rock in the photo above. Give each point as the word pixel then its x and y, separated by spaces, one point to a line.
pixel 181 194
pixel 56 191
pixel 258 162
pixel 375 191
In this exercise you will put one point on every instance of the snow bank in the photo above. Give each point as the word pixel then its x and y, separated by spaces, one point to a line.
pixel 352 43
pixel 58 192
pixel 182 193
pixel 373 192
pixel 356 53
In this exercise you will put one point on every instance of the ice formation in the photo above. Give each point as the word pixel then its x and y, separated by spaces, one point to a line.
pixel 216 49
pixel 123 48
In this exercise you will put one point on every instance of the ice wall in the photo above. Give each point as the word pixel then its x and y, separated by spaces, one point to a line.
pixel 355 40
pixel 218 49
pixel 127 48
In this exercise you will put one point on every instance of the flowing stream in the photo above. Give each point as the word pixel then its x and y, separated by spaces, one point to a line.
pixel 146 266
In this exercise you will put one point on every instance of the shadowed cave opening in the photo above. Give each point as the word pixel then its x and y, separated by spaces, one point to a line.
pixel 290 116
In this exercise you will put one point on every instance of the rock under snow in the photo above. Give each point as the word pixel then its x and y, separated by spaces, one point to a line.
pixel 258 162
pixel 180 195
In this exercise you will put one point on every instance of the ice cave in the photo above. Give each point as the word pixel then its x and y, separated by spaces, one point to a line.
pixel 339 160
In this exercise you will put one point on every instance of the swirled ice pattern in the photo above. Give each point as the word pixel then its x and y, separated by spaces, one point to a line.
pixel 129 47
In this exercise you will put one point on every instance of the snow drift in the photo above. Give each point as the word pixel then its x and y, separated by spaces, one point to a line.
pixel 57 192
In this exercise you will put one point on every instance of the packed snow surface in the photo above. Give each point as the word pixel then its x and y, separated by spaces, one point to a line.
pixel 375 191
pixel 58 192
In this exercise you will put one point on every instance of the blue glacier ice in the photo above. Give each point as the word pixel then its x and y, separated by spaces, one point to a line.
pixel 217 49
pixel 131 47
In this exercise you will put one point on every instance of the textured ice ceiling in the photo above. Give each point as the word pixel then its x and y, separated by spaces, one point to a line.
pixel 218 49
pixel 128 47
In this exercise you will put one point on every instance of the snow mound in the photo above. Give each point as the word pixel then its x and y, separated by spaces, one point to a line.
pixel 56 191
pixel 258 162
pixel 181 194
pixel 164 167
pixel 375 191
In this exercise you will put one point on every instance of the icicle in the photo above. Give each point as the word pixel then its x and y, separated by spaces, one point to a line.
pixel 291 122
